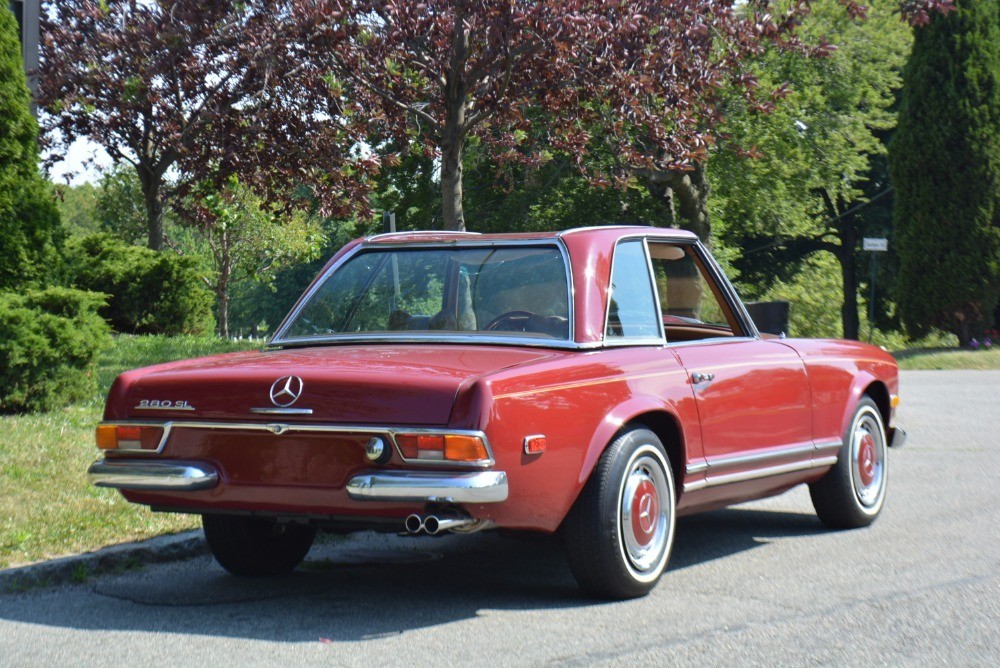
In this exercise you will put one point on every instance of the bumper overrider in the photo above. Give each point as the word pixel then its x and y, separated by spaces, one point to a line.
pixel 402 486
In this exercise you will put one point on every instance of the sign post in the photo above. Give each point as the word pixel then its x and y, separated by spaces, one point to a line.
pixel 874 245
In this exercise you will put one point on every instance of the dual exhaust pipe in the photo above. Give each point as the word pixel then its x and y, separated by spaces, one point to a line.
pixel 434 525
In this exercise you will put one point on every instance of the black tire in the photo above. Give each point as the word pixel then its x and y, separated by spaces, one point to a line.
pixel 615 551
pixel 852 493
pixel 255 547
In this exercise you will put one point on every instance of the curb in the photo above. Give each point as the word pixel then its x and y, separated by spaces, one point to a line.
pixel 77 568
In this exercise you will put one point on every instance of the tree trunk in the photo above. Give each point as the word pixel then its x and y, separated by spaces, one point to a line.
pixel 152 198
pixel 849 279
pixel 451 184
pixel 455 129
pixel 222 286
pixel 685 195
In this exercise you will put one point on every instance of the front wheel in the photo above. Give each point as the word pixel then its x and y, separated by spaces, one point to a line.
pixel 255 547
pixel 851 495
pixel 620 530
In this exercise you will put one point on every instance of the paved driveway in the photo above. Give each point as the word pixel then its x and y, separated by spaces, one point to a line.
pixel 761 583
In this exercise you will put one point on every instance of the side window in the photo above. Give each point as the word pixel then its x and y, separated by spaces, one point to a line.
pixel 691 307
pixel 631 303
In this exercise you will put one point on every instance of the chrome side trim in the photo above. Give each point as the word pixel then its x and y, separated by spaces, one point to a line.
pixel 767 472
pixel 738 460
pixel 153 475
pixel 713 480
pixel 282 411
pixel 406 486
pixel 691 469
pixel 829 445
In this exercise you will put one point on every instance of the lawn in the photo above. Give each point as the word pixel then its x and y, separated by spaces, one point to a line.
pixel 47 507
pixel 949 358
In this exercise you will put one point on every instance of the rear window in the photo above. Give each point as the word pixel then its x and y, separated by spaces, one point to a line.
pixel 500 291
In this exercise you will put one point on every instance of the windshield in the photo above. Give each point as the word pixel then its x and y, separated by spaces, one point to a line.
pixel 500 291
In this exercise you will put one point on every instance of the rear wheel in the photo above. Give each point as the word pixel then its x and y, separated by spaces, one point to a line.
pixel 255 547
pixel 619 533
pixel 851 495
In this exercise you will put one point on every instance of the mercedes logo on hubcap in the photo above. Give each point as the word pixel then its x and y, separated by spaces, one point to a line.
pixel 286 391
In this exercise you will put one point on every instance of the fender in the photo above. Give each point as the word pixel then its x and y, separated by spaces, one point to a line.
pixel 862 381
pixel 690 441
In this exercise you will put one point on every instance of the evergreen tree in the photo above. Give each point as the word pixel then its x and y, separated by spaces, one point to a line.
pixel 29 220
pixel 945 165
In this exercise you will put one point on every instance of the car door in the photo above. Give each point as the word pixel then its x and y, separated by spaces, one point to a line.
pixel 752 395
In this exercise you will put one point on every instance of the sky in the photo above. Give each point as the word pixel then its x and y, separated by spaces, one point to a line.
pixel 73 164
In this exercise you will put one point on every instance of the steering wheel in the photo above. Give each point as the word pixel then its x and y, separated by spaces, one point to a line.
pixel 511 321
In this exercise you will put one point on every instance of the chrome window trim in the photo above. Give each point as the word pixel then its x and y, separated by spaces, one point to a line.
pixel 631 340
pixel 409 337
pixel 714 339
pixel 284 428
pixel 656 292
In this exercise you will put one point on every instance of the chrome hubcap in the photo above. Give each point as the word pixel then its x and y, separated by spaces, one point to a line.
pixel 644 521
pixel 868 460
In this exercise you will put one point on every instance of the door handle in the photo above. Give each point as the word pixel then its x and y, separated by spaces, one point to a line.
pixel 698 377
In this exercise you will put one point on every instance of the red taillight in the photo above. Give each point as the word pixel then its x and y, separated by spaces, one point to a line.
pixel 128 436
pixel 443 447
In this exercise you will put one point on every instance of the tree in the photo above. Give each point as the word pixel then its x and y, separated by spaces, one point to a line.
pixel 438 73
pixel 810 174
pixel 196 90
pixel 30 230
pixel 645 79
pixel 247 239
pixel 945 164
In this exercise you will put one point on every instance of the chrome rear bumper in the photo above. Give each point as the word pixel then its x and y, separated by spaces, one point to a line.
pixel 151 475
pixel 426 487
pixel 897 437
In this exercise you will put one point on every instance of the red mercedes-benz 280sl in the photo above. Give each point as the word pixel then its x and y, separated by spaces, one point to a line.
pixel 599 382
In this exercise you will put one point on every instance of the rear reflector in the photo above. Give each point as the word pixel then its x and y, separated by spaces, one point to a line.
pixel 443 448
pixel 534 445
pixel 128 436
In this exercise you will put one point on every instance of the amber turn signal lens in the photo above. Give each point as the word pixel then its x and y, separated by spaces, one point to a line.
pixel 464 448
pixel 128 436
pixel 107 438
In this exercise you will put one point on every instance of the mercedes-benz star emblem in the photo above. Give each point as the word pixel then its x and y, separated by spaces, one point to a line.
pixel 286 391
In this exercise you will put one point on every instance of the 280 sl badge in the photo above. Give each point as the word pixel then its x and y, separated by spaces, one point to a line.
pixel 164 405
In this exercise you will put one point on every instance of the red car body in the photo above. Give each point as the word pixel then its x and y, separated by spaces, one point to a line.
pixel 739 416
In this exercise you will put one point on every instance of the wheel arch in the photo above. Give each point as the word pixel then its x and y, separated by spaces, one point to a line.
pixel 866 385
pixel 667 428
pixel 879 393
pixel 649 414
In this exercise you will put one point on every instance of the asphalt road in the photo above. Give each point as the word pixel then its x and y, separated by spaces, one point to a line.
pixel 761 583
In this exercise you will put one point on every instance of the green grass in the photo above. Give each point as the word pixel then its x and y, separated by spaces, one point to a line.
pixel 47 507
pixel 949 358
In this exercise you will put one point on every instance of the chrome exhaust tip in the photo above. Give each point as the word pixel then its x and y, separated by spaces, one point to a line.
pixel 414 524
pixel 435 525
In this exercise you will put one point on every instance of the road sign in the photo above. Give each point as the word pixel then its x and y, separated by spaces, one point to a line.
pixel 875 244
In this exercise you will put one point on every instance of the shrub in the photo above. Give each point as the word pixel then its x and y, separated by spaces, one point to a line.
pixel 48 343
pixel 149 292
pixel 30 231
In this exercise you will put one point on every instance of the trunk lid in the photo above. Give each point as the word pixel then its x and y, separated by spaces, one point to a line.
pixel 390 384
